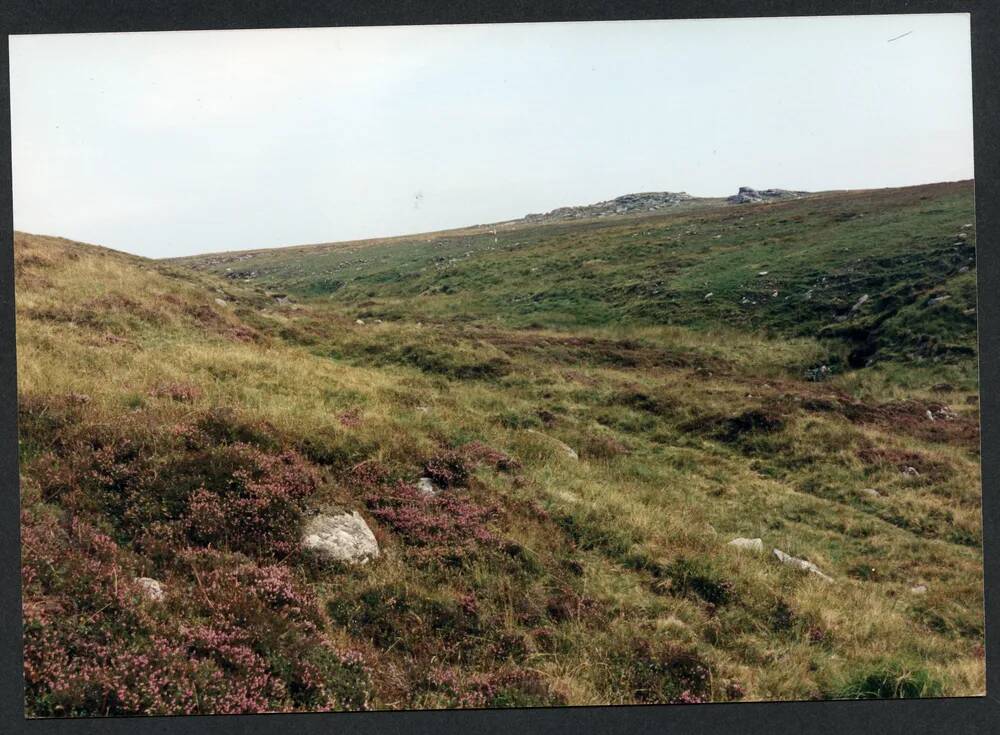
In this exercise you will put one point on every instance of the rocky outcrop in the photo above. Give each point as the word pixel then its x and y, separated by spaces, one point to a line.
pixel 625 204
pixel 343 537
pixel 747 195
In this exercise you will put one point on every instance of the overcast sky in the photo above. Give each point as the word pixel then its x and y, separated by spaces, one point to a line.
pixel 166 144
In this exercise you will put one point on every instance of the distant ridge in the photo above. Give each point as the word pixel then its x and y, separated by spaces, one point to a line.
pixel 653 201
pixel 625 204
pixel 746 195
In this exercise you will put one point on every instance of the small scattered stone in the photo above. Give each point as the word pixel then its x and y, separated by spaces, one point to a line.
pixel 860 302
pixel 750 544
pixel 871 492
pixel 222 302
pixel 806 566
pixel 150 588
pixel 426 487
pixel 911 471
pixel 920 589
pixel 359 321
pixel 938 300
pixel 709 295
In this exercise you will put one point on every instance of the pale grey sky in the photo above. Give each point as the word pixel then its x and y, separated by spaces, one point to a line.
pixel 166 144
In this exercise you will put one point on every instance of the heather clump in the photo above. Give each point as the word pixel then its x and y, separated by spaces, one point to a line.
pixel 396 617
pixel 449 469
pixel 452 468
pixel 235 496
pixel 481 454
pixel 228 637
pixel 660 673
pixel 447 527
pixel 367 475
pixel 230 426
pixel 257 507
pixel 43 420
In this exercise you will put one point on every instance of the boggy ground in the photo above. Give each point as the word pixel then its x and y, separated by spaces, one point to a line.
pixel 177 425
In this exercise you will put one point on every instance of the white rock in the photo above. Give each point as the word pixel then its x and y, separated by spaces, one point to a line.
pixel 806 566
pixel 870 492
pixel 426 487
pixel 750 544
pixel 222 302
pixel 860 302
pixel 344 537
pixel 920 589
pixel 359 321
pixel 150 588
pixel 566 449
pixel 912 471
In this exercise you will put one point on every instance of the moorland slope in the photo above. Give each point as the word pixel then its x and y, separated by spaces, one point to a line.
pixel 600 406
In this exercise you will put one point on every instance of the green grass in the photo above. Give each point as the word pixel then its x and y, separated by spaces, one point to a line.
pixel 542 580
pixel 819 256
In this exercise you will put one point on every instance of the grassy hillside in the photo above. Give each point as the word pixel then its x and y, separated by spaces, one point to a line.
pixel 178 424
pixel 793 268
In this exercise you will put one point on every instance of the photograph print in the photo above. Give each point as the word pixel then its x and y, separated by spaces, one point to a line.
pixel 497 366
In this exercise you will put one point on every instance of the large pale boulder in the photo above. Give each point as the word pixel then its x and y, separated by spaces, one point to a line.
pixel 343 537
